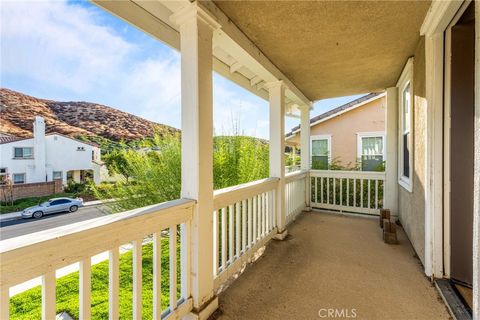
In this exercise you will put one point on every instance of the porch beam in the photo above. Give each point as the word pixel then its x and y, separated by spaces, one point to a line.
pixel 196 34
pixel 391 161
pixel 277 150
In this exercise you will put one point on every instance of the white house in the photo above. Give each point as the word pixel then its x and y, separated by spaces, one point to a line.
pixel 47 157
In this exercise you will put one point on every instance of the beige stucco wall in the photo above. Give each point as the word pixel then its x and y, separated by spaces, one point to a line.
pixel 412 204
pixel 344 128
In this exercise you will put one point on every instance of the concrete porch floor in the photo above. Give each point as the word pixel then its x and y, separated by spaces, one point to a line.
pixel 333 261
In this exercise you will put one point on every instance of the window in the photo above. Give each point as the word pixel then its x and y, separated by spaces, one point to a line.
pixel 371 148
pixel 57 175
pixel 18 178
pixel 321 152
pixel 23 153
pixel 3 176
pixel 405 106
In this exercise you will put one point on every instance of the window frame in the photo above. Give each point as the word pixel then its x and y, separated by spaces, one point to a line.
pixel 327 137
pixel 53 175
pixel 377 134
pixel 405 80
pixel 3 180
pixel 23 157
pixel 19 173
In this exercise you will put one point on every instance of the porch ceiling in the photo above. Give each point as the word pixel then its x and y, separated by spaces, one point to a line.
pixel 333 48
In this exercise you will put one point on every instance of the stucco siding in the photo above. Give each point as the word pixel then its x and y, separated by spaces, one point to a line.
pixel 344 128
pixel 412 204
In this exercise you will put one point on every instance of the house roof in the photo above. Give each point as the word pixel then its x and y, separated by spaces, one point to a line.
pixel 339 110
pixel 5 138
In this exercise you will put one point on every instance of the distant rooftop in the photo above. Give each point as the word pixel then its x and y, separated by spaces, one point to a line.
pixel 336 110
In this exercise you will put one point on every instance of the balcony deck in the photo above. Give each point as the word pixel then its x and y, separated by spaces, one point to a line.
pixel 333 261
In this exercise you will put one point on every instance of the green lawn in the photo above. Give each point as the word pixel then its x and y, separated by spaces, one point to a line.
pixel 27 305
pixel 20 204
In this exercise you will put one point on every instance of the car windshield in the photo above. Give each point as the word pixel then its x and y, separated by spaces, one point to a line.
pixel 45 204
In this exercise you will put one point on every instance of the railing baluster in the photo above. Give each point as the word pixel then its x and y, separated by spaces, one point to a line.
pixel 137 279
pixel 185 249
pixel 249 222
pixel 173 267
pixel 85 289
pixel 376 194
pixel 341 191
pixel 157 275
pixel 49 304
pixel 254 219
pixel 113 284
pixel 224 238
pixel 264 215
pixel 321 189
pixel 354 192
pixel 244 225
pixel 237 229
pixel 361 193
pixel 230 233
pixel 348 192
pixel 328 190
pixel 5 303
pixel 216 247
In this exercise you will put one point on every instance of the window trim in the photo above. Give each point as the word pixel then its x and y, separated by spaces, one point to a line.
pixel 406 79
pixel 23 158
pixel 24 178
pixel 53 175
pixel 375 134
pixel 327 137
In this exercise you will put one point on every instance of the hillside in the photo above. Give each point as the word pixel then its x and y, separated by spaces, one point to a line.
pixel 92 121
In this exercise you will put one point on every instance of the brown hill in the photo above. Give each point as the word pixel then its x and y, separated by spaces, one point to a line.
pixel 74 119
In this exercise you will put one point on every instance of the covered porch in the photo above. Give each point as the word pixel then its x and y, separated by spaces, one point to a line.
pixel 363 275
pixel 321 260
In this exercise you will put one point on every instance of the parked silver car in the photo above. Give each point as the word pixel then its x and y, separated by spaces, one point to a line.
pixel 53 206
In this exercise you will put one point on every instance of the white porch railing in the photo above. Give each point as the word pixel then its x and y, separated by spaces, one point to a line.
pixel 295 194
pixel 243 221
pixel 349 191
pixel 41 254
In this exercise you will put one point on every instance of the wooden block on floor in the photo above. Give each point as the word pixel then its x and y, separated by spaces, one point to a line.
pixel 390 237
pixel 386 225
pixel 384 214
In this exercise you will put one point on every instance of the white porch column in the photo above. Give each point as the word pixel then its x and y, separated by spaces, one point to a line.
pixel 277 150
pixel 196 33
pixel 305 149
pixel 391 145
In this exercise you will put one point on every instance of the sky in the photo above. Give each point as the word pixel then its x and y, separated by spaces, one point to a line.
pixel 75 51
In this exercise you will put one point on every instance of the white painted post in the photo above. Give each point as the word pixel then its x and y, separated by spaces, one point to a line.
pixel 305 150
pixel 476 195
pixel 390 186
pixel 196 33
pixel 277 150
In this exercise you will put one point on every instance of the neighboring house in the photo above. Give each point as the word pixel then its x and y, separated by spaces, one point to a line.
pixel 47 157
pixel 351 134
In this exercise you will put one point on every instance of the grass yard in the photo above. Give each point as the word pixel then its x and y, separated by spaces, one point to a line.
pixel 20 204
pixel 28 304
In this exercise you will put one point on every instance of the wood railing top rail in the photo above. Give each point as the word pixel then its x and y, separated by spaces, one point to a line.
pixel 227 196
pixel 374 175
pixel 297 175
pixel 27 257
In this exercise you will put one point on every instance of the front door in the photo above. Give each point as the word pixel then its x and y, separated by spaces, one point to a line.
pixel 462 146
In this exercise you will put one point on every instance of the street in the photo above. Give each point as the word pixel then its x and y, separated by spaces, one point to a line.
pixel 15 228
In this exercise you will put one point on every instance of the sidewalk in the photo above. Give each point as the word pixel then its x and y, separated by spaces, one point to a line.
pixel 18 215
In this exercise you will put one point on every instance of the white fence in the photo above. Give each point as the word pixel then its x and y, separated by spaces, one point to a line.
pixel 349 191
pixel 42 253
pixel 295 194
pixel 243 221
